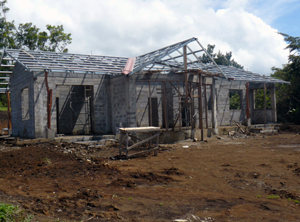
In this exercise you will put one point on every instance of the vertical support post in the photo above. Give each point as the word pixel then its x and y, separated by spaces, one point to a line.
pixel 185 80
pixel 120 143
pixel 248 103
pixel 248 120
pixel 179 101
pixel 214 106
pixel 155 150
pixel 150 104
pixel 192 108
pixel 150 141
pixel 185 57
pixel 273 104
pixel 165 106
pixel 206 107
pixel 265 103
pixel 8 110
pixel 200 106
pixel 127 138
pixel 49 101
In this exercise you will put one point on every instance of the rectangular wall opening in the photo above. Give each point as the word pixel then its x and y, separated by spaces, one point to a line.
pixel 186 113
pixel 259 102
pixel 235 99
pixel 154 112
pixel 74 108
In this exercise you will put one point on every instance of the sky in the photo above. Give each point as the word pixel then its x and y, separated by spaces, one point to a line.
pixel 247 28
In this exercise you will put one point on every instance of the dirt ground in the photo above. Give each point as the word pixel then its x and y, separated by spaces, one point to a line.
pixel 253 178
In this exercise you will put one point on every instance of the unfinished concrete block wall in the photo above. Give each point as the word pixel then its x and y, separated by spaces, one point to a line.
pixel 102 116
pixel 40 111
pixel 142 104
pixel 83 101
pixel 123 102
pixel 227 116
pixel 22 101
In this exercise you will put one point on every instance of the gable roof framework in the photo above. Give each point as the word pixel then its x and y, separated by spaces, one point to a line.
pixel 65 62
pixel 170 58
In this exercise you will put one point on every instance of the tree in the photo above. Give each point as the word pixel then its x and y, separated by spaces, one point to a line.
pixel 220 58
pixel 288 96
pixel 28 37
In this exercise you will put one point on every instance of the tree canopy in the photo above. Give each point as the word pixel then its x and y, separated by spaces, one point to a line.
pixel 29 37
pixel 220 58
pixel 288 96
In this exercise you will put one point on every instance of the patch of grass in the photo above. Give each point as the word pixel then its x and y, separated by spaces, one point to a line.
pixel 11 213
pixel 272 196
pixel 129 198
pixel 3 108
pixel 161 204
pixel 47 161
pixel 258 196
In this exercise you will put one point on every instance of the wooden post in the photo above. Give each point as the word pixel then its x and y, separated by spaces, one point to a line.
pixel 49 101
pixel 206 107
pixel 179 101
pixel 200 106
pixel 214 106
pixel 185 57
pixel 265 103
pixel 127 138
pixel 248 103
pixel 150 104
pixel 8 110
pixel 273 104
pixel 120 143
pixel 165 106
pixel 192 108
pixel 157 141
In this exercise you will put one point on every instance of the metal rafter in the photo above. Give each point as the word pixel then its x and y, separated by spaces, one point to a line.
pixel 61 62
pixel 164 60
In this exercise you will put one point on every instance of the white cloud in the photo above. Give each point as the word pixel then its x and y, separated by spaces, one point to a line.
pixel 133 27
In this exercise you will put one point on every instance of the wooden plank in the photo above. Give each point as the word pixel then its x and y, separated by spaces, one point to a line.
pixel 206 107
pixel 150 105
pixel 143 141
pixel 140 129
pixel 165 105
pixel 214 105
pixel 200 106
pixel 144 151
pixel 265 103
pixel 240 127
pixel 247 99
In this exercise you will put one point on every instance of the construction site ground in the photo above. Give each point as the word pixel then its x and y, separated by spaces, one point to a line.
pixel 227 178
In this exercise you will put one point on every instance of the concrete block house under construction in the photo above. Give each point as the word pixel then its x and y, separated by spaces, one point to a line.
pixel 178 88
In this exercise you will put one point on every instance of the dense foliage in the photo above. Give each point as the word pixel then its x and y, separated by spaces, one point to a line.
pixel 288 96
pixel 220 58
pixel 28 37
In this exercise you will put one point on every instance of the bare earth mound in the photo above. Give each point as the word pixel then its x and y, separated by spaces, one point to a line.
pixel 249 179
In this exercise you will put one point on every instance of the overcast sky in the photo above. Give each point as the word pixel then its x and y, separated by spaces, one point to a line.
pixel 130 28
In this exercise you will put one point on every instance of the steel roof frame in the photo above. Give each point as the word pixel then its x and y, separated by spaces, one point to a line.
pixel 62 62
pixel 170 58
pixel 164 59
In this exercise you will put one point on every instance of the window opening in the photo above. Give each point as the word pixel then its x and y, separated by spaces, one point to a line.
pixel 235 99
